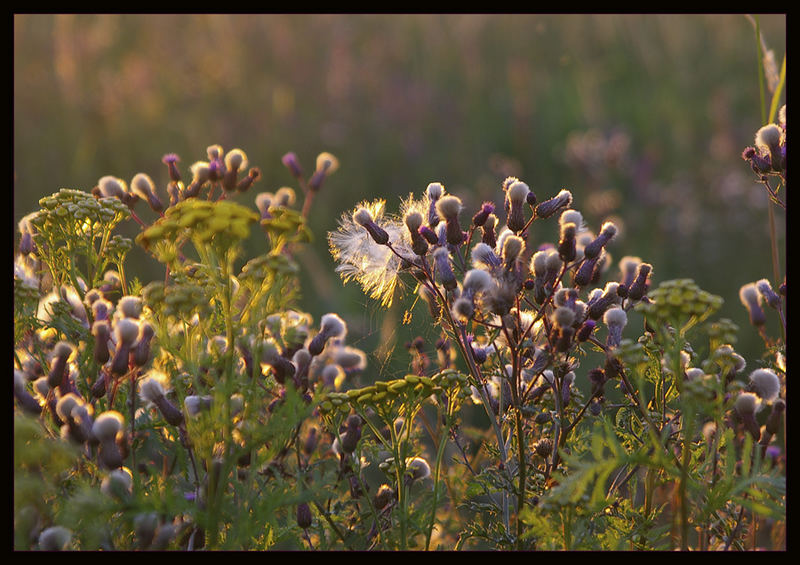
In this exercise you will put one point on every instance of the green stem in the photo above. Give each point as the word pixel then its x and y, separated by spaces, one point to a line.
pixel 437 470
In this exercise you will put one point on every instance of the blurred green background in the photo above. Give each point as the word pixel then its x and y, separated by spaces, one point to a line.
pixel 642 117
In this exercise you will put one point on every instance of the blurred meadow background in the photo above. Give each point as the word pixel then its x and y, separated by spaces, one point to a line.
pixel 642 117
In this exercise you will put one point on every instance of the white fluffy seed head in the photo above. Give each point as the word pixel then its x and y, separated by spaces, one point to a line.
pixel 107 425
pixel 563 316
pixel 463 309
pixel 746 404
pixel 539 263
pixel 517 192
pixel 435 190
pixel 327 162
pixel 118 480
pixel 418 468
pixel 55 538
pixel 552 261
pixel 766 384
pixel 571 217
pixel 609 229
pixel 413 220
pixel 615 317
pixel 448 206
pixel 126 330
pixel 512 247
pixel 152 386
pixel 65 405
pixel 143 186
pixel 62 350
pixel 749 294
pixel 350 358
pixel 694 373
pixel 362 217
pixel 477 280
pixel 235 159
pixel 483 255
pixel 111 186
pixel 768 136
pixel 333 325
pixel 130 306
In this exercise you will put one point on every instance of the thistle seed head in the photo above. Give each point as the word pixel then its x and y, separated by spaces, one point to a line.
pixel 766 384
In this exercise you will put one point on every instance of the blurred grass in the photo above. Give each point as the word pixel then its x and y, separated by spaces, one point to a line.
pixel 642 117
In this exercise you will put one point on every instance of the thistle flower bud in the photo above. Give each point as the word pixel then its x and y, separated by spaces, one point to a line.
pixel 383 497
pixel 141 348
pixel 774 419
pixel 770 296
pixel 444 271
pixel 585 331
pixel 638 288
pixel 152 390
pixel 745 406
pixel 628 266
pixel 363 217
pixel 549 207
pixel 331 326
pixel 543 448
pixel 615 320
pixel 58 366
pixel 413 221
pixel 515 200
pixel 479 219
pixel 291 162
pixel 600 302
pixel 26 401
pixel 449 207
pixel 766 384
pixel 55 538
pixel 751 299
pixel 304 517
pixel 327 164
pixel 487 231
pixel 583 276
pixel 247 181
pixel 567 244
pixel 607 233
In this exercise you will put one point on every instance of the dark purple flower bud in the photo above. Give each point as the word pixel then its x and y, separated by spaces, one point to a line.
pixel 549 207
pixel 102 333
pixel 304 517
pixel 429 235
pixel 449 207
pixel 444 271
pixel 751 299
pixel 639 286
pixel 291 162
pixel 774 419
pixel 593 249
pixel 585 331
pixel 252 176
pixel 597 378
pixel 480 217
pixel 567 244
pixel 516 198
pixel 584 274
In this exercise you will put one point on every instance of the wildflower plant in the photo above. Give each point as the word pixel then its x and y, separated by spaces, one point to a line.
pixel 565 399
